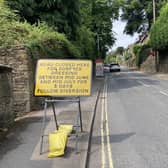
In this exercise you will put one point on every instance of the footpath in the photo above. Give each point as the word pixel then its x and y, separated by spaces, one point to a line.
pixel 159 75
pixel 21 146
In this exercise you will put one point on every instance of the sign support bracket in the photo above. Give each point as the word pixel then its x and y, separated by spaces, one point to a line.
pixel 52 101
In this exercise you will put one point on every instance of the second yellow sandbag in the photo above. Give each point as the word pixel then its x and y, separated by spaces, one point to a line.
pixel 66 128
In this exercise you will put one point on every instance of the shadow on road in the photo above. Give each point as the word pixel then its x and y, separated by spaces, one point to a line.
pixel 119 81
pixel 114 138
pixel 15 136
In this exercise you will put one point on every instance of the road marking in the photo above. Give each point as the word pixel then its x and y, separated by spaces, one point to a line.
pixel 108 132
pixel 105 145
pixel 143 84
pixel 102 133
pixel 164 93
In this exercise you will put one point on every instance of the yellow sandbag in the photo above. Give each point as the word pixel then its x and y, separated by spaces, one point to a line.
pixel 66 128
pixel 57 144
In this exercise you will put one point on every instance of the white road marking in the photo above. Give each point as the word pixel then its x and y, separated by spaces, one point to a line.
pixel 143 84
pixel 164 93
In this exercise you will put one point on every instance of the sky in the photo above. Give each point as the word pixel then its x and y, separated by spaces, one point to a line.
pixel 122 39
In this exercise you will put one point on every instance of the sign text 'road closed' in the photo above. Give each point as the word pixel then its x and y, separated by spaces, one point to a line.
pixel 63 77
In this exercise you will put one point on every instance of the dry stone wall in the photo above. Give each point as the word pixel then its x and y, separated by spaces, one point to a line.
pixel 163 62
pixel 149 65
pixel 23 66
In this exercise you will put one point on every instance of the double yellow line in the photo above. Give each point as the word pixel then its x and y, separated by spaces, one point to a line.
pixel 105 134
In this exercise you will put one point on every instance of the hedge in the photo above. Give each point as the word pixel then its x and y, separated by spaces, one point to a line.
pixel 159 30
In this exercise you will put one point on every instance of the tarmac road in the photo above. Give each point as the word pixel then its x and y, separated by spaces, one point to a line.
pixel 131 125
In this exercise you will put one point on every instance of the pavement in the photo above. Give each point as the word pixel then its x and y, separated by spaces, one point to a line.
pixel 21 145
pixel 159 75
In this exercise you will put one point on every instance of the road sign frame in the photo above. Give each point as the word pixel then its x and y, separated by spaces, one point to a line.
pixel 75 88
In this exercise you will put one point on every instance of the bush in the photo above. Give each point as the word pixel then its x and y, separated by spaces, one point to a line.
pixel 136 49
pixel 41 39
pixel 141 53
pixel 159 30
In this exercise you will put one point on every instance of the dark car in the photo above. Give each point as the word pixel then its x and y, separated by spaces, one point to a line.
pixel 114 67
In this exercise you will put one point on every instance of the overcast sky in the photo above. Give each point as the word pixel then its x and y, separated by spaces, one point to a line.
pixel 122 39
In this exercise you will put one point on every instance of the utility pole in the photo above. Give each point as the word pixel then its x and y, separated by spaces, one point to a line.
pixel 154 11
pixel 98 44
pixel 156 53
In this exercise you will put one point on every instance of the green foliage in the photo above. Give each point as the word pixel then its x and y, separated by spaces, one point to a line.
pixel 97 16
pixel 127 56
pixel 139 14
pixel 62 15
pixel 119 51
pixel 141 53
pixel 102 23
pixel 109 59
pixel 159 31
pixel 86 43
pixel 39 37
pixel 136 49
pixel 86 23
pixel 82 21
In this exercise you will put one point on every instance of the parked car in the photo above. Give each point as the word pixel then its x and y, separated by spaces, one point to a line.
pixel 114 67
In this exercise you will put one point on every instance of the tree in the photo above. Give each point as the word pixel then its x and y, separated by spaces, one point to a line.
pixel 119 51
pixel 159 31
pixel 62 15
pixel 87 23
pixel 102 25
pixel 97 16
pixel 139 14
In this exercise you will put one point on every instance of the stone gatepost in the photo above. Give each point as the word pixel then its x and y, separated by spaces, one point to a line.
pixel 6 97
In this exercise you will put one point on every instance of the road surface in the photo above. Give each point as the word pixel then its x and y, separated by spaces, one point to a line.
pixel 131 124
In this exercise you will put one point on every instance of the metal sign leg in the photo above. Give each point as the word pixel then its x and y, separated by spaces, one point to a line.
pixel 80 115
pixel 43 126
pixel 55 118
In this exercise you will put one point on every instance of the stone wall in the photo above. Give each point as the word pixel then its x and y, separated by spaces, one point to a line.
pixel 19 59
pixel 163 62
pixel 6 97
pixel 149 65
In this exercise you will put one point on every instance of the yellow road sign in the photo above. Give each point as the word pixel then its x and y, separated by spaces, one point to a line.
pixel 63 77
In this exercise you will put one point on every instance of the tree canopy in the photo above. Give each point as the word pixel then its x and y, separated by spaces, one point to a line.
pixel 62 15
pixel 40 38
pixel 86 23
pixel 159 30
pixel 139 14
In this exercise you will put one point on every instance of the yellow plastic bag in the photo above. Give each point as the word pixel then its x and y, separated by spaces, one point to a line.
pixel 57 144
pixel 66 128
